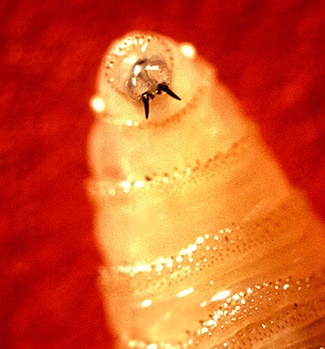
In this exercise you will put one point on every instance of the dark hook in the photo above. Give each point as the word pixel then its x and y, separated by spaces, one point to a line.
pixel 145 100
pixel 165 88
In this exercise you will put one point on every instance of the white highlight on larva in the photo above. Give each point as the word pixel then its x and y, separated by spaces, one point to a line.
pixel 97 104
pixel 188 50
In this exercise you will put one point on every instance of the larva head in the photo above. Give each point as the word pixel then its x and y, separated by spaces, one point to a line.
pixel 136 69
pixel 141 67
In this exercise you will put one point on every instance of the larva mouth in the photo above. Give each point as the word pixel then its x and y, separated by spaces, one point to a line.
pixel 209 244
pixel 139 67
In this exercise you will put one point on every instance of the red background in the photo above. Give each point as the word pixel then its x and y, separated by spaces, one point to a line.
pixel 269 53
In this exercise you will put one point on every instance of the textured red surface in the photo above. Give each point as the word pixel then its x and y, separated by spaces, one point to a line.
pixel 270 54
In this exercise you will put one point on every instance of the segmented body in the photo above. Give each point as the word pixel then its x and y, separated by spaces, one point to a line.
pixel 210 246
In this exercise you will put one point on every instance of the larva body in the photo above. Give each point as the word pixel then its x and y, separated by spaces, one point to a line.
pixel 207 243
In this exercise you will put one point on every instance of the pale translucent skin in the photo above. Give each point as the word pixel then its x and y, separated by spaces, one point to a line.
pixel 225 227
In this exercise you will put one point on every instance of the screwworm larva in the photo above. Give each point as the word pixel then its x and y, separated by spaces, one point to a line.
pixel 209 245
